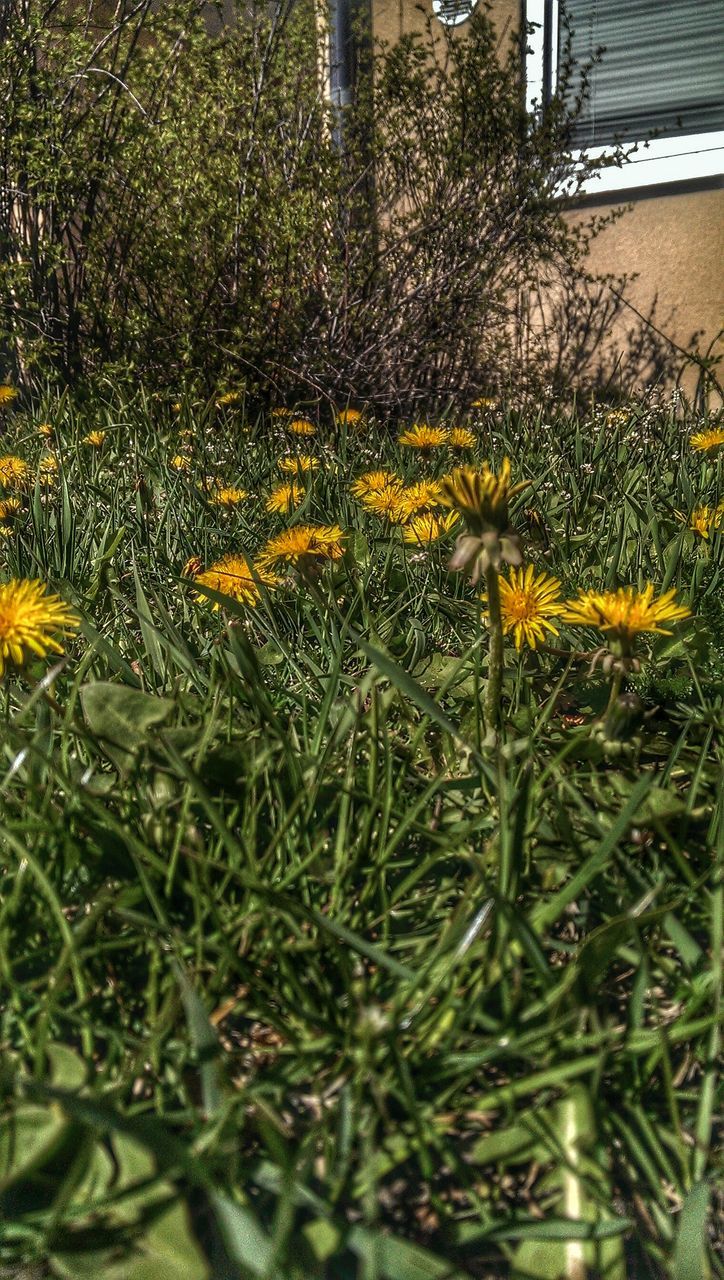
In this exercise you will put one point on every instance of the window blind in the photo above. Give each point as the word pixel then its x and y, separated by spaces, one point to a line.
pixel 662 69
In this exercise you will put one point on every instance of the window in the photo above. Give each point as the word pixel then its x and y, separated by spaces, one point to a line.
pixel 662 71
pixel 452 12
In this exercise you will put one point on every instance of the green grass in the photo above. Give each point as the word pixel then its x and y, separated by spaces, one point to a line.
pixel 300 979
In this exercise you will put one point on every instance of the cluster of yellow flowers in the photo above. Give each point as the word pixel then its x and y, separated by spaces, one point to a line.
pixel 475 501
pixel 304 548
pixel 529 602
pixel 706 520
pixel 299 425
pixel 425 438
pixel 16 474
pixel 414 506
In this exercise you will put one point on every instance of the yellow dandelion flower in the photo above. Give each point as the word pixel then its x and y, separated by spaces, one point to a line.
pixel 485 402
pixel 480 495
pixel 193 566
pixel 429 526
pixel 10 507
pixel 704 441
pixel 48 469
pixel 7 395
pixel 45 430
pixel 617 417
pixel 6 530
pixel 302 464
pixel 304 547
pixel 176 407
pixel 706 520
pixel 420 496
pixel 423 437
pixel 461 438
pixel 234 576
pixel 282 413
pixel 385 503
pixel 301 427
pixel 227 496
pixel 374 482
pixel 180 463
pixel 31 619
pixel 350 417
pixel 626 612
pixel 228 398
pixel 95 439
pixel 14 472
pixel 284 498
pixel 527 603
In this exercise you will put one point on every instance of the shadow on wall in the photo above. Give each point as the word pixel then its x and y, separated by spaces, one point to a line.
pixel 586 332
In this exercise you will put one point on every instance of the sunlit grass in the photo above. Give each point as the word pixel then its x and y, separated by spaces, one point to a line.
pixel 305 974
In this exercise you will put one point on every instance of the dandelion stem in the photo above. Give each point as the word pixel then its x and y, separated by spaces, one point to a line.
pixel 615 691
pixel 491 709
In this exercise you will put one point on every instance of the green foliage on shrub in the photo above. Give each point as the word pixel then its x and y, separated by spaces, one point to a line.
pixel 176 203
pixel 168 185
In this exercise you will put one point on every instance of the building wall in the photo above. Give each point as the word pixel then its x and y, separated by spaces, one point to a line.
pixel 672 238
pixel 675 241
pixel 392 19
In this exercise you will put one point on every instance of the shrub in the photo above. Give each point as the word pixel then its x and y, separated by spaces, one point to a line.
pixel 165 184
pixel 176 202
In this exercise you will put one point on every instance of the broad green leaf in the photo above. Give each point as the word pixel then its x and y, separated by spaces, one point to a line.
pixel 67 1069
pixel 169 1251
pixel 27 1133
pixel 396 1259
pixel 246 1242
pixel 122 718
pixel 166 1250
pixel 323 1238
pixel 691 1260
pixel 511 1144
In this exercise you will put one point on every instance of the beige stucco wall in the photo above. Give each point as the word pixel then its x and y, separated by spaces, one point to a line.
pixel 394 18
pixel 673 240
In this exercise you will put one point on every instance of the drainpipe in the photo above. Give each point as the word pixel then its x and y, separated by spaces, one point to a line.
pixel 340 63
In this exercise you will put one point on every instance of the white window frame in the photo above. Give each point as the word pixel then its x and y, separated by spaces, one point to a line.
pixel 685 158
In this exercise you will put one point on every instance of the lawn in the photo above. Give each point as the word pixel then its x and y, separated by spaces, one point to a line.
pixel 310 967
